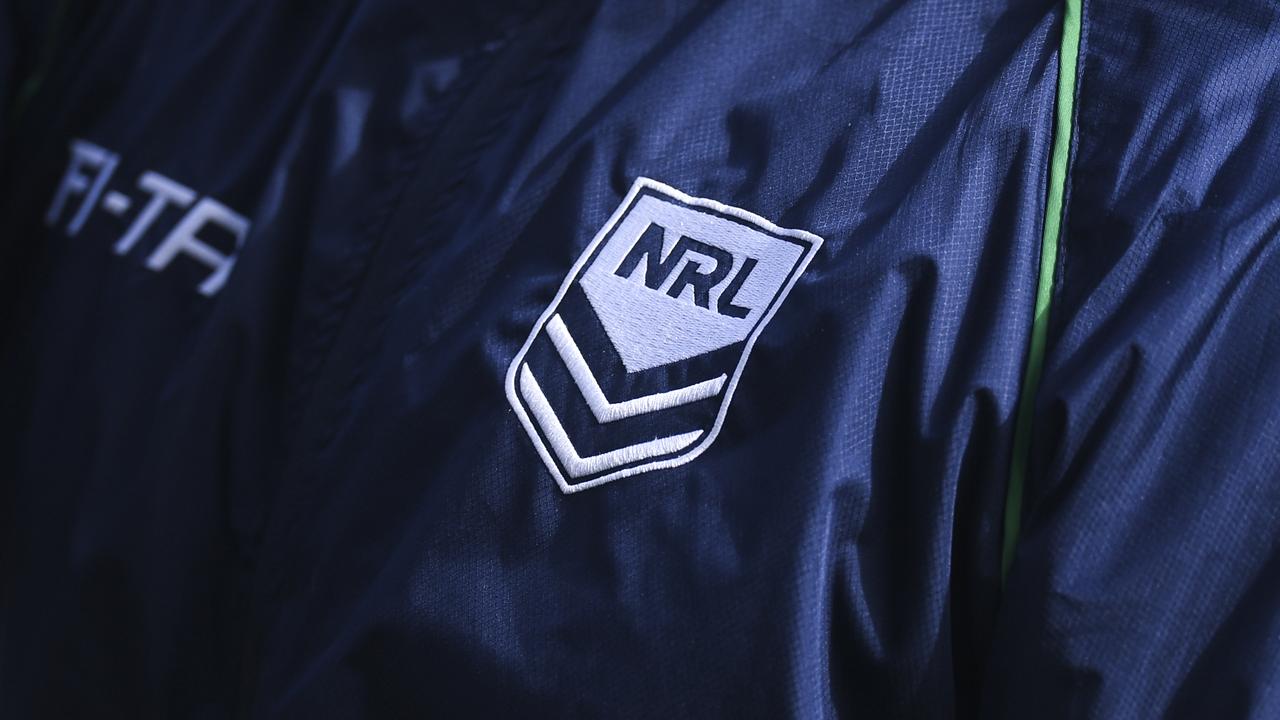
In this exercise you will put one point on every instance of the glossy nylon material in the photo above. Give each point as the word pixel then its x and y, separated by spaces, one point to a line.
pixel 1063 131
pixel 308 497
pixel 1147 580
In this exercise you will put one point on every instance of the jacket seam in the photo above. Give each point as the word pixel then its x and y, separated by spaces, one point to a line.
pixel 1054 220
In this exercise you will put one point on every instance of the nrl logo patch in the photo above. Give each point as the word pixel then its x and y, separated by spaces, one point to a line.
pixel 633 365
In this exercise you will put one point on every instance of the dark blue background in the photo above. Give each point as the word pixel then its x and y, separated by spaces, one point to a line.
pixel 308 497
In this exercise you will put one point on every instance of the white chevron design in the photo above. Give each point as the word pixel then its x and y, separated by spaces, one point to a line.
pixel 606 411
pixel 680 285
pixel 576 465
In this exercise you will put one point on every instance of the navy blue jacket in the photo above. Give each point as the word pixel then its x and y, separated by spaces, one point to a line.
pixel 296 300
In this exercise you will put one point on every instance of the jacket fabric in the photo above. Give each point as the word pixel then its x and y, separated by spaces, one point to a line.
pixel 306 306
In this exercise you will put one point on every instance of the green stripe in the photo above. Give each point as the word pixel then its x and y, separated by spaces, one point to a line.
pixel 1068 58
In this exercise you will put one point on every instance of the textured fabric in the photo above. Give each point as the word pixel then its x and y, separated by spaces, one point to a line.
pixel 306 495
pixel 1147 581
pixel 1055 198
